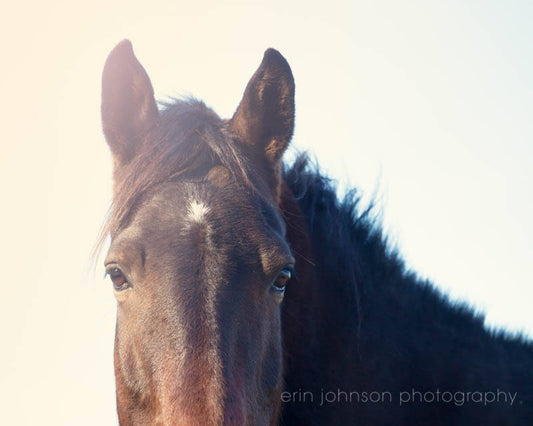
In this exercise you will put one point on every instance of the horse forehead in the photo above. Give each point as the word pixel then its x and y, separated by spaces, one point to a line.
pixel 174 204
pixel 177 209
pixel 197 202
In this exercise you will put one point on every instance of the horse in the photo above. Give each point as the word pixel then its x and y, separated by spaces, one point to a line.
pixel 249 293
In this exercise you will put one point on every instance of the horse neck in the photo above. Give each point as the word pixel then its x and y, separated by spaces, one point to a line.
pixel 355 318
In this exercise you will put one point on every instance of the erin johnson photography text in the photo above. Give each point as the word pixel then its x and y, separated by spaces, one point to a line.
pixel 409 396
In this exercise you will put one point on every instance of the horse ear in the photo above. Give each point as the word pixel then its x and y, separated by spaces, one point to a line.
pixel 128 104
pixel 265 116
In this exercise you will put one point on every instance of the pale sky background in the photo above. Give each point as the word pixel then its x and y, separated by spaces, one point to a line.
pixel 433 100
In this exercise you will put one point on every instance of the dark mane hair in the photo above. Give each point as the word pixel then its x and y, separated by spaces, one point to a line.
pixel 355 233
pixel 368 270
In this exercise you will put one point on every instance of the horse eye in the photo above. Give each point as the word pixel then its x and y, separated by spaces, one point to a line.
pixel 118 278
pixel 282 279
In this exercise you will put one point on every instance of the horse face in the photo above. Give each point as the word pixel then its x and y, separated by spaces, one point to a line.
pixel 198 260
pixel 198 327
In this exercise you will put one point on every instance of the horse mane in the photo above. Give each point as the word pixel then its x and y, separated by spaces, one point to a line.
pixel 350 240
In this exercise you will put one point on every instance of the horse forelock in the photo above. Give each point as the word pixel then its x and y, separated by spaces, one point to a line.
pixel 188 142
